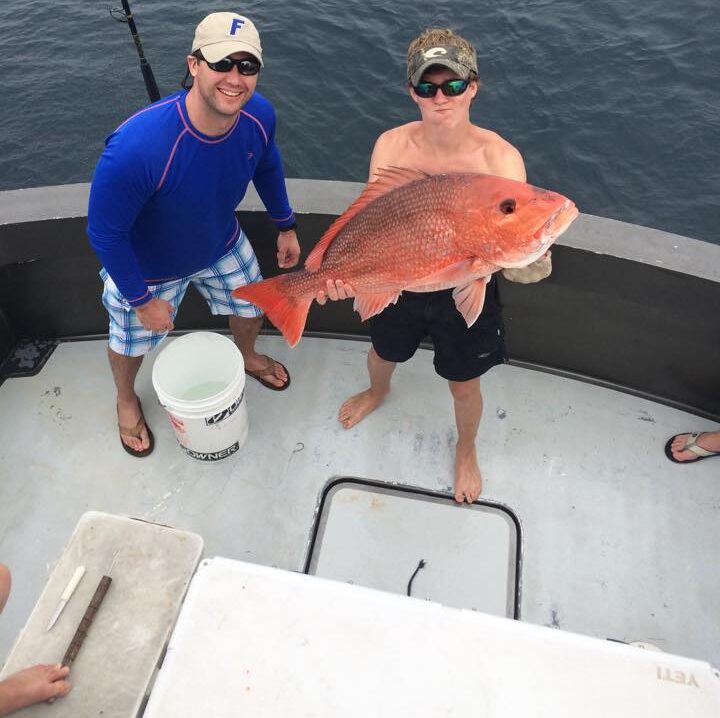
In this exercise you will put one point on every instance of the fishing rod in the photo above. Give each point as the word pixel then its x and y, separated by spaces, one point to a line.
pixel 125 15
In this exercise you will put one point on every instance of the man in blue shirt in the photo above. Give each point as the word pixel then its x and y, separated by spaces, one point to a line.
pixel 162 210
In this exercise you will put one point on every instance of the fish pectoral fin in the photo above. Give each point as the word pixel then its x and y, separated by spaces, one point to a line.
pixel 368 305
pixel 482 266
pixel 450 276
pixel 469 299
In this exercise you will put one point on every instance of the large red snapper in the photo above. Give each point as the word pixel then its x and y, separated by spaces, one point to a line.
pixel 412 231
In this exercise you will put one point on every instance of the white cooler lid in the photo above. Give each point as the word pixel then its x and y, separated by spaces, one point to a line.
pixel 255 641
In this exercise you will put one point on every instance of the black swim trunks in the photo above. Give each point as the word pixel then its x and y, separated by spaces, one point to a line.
pixel 461 352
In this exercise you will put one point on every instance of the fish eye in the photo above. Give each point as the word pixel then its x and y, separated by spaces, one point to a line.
pixel 507 206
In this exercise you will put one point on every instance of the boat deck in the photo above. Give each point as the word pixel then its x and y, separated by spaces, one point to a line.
pixel 615 537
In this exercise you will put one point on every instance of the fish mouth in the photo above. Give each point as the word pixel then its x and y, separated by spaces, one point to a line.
pixel 546 234
pixel 563 218
pixel 556 223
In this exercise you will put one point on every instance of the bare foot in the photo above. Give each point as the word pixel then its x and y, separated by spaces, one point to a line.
pixel 709 440
pixel 128 416
pixel 468 481
pixel 357 407
pixel 33 685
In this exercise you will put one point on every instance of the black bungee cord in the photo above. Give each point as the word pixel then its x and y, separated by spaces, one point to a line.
pixel 415 573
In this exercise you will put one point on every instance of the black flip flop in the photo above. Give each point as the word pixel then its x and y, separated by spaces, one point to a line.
pixel 259 375
pixel 689 444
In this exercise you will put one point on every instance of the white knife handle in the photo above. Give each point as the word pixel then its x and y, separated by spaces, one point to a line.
pixel 74 581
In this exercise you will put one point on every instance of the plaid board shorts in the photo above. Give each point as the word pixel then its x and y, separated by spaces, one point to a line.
pixel 239 266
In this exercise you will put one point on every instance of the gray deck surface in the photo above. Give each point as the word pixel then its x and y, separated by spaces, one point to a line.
pixel 618 542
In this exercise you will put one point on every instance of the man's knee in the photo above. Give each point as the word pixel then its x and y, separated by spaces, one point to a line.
pixel 242 320
pixel 241 326
pixel 374 356
pixel 465 390
pixel 124 361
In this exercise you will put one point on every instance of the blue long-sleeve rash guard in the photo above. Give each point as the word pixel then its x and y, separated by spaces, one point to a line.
pixel 163 196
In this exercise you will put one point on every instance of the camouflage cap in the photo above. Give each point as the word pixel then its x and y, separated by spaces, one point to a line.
pixel 460 60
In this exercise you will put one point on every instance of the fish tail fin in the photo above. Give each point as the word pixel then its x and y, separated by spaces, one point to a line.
pixel 286 311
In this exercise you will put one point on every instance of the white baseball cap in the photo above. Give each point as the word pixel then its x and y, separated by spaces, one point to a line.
pixel 221 34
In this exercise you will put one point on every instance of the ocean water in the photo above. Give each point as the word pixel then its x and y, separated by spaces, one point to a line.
pixel 616 104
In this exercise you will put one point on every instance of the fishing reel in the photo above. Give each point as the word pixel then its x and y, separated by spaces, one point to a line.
pixel 119 14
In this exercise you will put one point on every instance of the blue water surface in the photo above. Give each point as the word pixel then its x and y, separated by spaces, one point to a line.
pixel 616 104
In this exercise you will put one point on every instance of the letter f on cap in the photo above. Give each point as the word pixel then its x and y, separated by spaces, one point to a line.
pixel 237 24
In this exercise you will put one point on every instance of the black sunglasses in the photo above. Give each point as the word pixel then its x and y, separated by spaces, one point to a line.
pixel 246 66
pixel 450 88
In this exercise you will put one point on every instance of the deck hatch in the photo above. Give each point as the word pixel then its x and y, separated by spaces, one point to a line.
pixel 375 534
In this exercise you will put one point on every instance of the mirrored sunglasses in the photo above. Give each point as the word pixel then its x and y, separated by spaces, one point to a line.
pixel 450 88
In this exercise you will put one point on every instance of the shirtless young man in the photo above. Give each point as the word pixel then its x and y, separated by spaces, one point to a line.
pixel 31 685
pixel 442 81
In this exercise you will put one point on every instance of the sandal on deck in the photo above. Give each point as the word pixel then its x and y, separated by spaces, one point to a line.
pixel 690 445
pixel 269 370
pixel 135 433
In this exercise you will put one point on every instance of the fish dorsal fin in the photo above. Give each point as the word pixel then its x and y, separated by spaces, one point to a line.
pixel 388 179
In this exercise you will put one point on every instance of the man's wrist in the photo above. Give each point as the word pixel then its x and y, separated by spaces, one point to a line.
pixel 290 228
pixel 141 301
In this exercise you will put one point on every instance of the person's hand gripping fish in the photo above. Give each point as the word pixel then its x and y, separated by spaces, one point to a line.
pixel 336 290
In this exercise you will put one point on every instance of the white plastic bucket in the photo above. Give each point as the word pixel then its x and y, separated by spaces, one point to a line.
pixel 200 380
